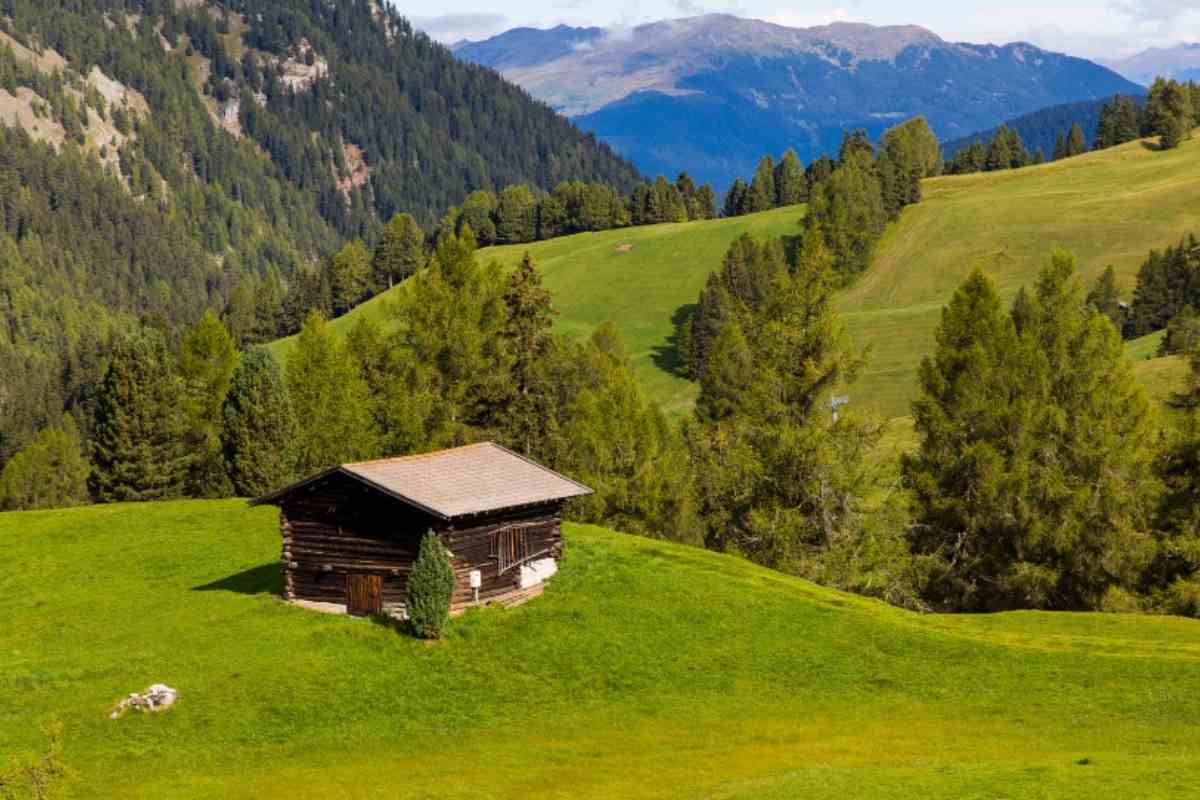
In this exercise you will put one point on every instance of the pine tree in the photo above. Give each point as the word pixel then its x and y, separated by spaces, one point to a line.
pixel 529 316
pixel 516 215
pixel 330 401
pixel 790 185
pixel 138 442
pixel 1105 298
pixel 778 479
pixel 1000 154
pixel 1169 112
pixel 259 431
pixel 207 359
pixel 1060 147
pixel 736 203
pixel 49 472
pixel 762 188
pixel 400 252
pixel 350 275
pixel 450 374
pixel 848 209
pixel 430 589
pixel 1076 141
pixel 1031 482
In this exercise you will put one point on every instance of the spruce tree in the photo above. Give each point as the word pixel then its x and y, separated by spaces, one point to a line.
pixel 430 589
pixel 49 472
pixel 349 276
pixel 1076 141
pixel 1105 298
pixel 1000 154
pixel 400 252
pixel 849 211
pixel 329 398
pixel 138 448
pixel 762 188
pixel 1169 112
pixel 526 331
pixel 516 215
pixel 790 185
pixel 259 431
pixel 1060 146
pixel 450 373
pixel 207 359
pixel 735 199
pixel 790 480
pixel 1032 481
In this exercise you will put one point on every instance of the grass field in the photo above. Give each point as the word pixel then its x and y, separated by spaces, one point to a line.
pixel 617 683
pixel 1110 207
pixel 636 277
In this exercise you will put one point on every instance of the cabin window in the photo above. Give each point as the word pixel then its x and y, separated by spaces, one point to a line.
pixel 511 547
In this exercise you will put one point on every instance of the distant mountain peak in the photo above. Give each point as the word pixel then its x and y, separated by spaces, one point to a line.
pixel 1180 61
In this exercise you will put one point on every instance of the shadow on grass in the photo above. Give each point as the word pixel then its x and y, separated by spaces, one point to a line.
pixel 264 579
pixel 667 357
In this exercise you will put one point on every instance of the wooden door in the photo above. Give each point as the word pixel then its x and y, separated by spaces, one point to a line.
pixel 364 594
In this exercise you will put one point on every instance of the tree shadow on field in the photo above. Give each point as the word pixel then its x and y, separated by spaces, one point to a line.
pixel 264 579
pixel 667 357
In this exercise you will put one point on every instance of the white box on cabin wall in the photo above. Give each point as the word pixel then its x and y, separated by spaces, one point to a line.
pixel 536 572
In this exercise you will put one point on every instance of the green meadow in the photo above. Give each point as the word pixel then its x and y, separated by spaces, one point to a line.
pixel 646 670
pixel 1110 207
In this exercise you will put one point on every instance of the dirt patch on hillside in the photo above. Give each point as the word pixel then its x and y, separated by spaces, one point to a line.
pixel 623 248
pixel 356 165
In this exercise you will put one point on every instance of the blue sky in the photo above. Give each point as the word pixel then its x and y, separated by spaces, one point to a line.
pixel 1091 28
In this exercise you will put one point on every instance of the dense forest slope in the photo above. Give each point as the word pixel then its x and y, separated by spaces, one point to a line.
pixel 159 159
pixel 713 93
pixel 615 683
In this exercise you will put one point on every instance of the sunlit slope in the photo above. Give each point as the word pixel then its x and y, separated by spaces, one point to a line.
pixel 647 670
pixel 636 277
pixel 1110 207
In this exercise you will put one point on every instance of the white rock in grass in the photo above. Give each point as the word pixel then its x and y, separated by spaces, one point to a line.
pixel 158 697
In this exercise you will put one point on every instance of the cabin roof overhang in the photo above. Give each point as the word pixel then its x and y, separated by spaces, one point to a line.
pixel 463 482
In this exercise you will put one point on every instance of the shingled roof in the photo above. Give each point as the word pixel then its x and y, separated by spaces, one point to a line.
pixel 460 482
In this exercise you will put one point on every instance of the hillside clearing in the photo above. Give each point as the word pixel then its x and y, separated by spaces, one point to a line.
pixel 636 277
pixel 1108 207
pixel 616 683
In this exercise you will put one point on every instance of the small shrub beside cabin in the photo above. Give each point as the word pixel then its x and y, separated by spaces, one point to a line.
pixel 352 533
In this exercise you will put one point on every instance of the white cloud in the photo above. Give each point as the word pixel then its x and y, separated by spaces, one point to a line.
pixel 451 28
pixel 810 19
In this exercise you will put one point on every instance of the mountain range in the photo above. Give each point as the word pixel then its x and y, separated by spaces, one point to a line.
pixel 712 94
pixel 1181 62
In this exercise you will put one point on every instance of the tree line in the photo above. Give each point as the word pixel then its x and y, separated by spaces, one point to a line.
pixel 1170 112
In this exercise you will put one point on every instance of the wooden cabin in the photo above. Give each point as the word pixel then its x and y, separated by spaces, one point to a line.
pixel 351 533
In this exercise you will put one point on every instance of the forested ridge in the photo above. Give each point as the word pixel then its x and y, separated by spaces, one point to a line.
pixel 163 159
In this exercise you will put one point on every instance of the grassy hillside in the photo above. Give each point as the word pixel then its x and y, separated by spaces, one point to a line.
pixel 616 683
pixel 636 277
pixel 1109 207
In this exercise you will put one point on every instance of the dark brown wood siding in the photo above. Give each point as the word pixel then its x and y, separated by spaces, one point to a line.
pixel 342 528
